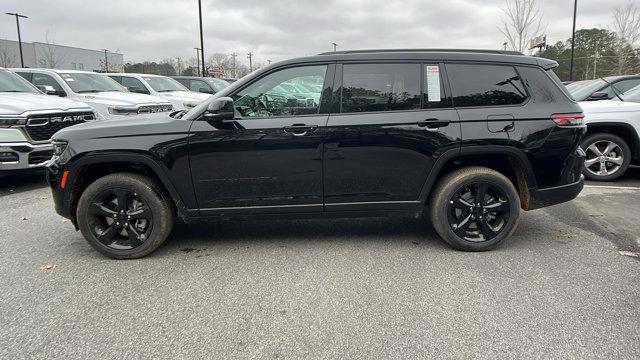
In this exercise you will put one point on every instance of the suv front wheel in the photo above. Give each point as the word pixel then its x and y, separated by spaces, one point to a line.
pixel 474 208
pixel 124 216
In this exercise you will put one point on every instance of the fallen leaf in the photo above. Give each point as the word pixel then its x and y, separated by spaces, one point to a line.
pixel 49 267
pixel 629 253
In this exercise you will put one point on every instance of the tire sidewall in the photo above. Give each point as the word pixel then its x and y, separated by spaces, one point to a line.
pixel 154 200
pixel 626 152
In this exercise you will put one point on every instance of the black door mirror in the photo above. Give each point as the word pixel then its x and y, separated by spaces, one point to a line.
pixel 598 96
pixel 220 110
pixel 205 90
pixel 136 89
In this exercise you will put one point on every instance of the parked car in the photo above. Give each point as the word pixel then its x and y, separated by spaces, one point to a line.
pixel 468 138
pixel 612 142
pixel 604 88
pixel 161 86
pixel 108 98
pixel 207 85
pixel 28 119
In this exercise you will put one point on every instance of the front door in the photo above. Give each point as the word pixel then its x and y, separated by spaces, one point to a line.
pixel 269 159
pixel 392 122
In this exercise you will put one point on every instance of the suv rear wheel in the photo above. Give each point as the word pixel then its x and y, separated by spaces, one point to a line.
pixel 124 216
pixel 474 208
pixel 608 157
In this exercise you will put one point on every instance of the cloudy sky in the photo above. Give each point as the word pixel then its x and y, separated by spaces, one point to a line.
pixel 279 29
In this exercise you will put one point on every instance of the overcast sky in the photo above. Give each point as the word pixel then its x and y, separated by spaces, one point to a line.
pixel 279 29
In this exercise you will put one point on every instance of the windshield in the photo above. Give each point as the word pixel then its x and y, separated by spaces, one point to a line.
pixel 90 82
pixel 164 84
pixel 217 84
pixel 581 90
pixel 632 95
pixel 10 82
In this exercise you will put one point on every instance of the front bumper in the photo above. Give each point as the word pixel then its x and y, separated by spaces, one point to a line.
pixel 15 156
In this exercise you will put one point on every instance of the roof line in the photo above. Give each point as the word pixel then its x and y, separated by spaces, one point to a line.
pixel 367 51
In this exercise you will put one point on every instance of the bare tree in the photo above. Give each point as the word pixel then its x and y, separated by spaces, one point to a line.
pixel 51 58
pixel 626 24
pixel 522 21
pixel 220 62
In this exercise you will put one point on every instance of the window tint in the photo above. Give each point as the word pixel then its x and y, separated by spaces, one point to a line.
pixel 380 87
pixel 279 93
pixel 134 84
pixel 485 85
pixel 197 84
pixel 46 80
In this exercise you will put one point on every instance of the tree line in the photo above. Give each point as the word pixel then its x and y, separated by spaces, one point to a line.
pixel 223 65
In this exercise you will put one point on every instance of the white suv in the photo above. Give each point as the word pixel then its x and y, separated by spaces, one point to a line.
pixel 108 98
pixel 28 119
pixel 165 87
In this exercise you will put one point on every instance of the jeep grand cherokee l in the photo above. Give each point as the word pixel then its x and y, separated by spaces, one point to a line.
pixel 467 138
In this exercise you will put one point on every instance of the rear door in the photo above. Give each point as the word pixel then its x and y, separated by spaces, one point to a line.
pixel 389 124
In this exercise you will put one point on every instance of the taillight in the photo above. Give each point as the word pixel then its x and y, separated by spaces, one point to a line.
pixel 568 119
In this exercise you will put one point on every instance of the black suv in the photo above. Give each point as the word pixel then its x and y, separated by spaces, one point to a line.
pixel 467 138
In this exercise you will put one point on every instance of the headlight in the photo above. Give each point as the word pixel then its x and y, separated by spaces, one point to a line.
pixel 122 110
pixel 58 147
pixel 6 122
pixel 11 135
pixel 189 104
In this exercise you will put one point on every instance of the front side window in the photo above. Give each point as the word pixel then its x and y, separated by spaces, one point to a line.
pixel 485 85
pixel 196 85
pixel 380 87
pixel 134 84
pixel 46 80
pixel 281 94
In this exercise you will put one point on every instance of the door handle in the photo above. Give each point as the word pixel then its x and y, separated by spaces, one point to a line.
pixel 433 123
pixel 300 129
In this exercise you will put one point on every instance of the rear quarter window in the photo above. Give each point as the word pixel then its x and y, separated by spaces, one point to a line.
pixel 485 85
pixel 545 87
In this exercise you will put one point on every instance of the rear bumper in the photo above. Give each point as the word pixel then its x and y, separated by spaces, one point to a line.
pixel 551 196
pixel 15 156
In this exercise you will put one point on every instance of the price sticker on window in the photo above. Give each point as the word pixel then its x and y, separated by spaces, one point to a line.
pixel 433 83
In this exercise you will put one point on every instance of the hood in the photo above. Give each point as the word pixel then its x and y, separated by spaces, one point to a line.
pixel 185 96
pixel 19 103
pixel 608 106
pixel 116 127
pixel 120 98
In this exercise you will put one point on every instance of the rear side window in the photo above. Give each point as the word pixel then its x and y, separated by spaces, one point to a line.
pixel 485 85
pixel 380 87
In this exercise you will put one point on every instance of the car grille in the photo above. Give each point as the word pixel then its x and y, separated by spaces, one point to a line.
pixel 41 127
pixel 148 109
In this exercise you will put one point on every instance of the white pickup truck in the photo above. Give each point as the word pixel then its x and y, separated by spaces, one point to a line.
pixel 161 86
pixel 612 142
pixel 108 98
pixel 28 119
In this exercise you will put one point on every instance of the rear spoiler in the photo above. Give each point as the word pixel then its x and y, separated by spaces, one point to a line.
pixel 547 64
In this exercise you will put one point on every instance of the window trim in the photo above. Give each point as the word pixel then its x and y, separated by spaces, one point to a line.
pixel 512 65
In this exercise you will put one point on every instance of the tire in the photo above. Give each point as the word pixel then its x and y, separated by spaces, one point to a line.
pixel 594 146
pixel 120 234
pixel 452 202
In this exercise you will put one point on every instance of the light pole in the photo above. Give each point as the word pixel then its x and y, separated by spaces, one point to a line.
pixel 334 47
pixel 505 45
pixel 249 56
pixel 235 73
pixel 18 16
pixel 198 60
pixel 201 37
pixel 573 39
pixel 106 61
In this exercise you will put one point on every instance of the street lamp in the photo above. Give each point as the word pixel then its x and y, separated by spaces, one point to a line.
pixel 573 39
pixel 201 38
pixel 198 59
pixel 18 16
pixel 334 47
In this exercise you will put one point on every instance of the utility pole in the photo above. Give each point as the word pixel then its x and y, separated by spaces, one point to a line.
pixel 233 56
pixel 269 61
pixel 198 60
pixel 573 39
pixel 18 16
pixel 106 61
pixel 179 65
pixel 595 61
pixel 335 46
pixel 505 45
pixel 201 37
pixel 250 55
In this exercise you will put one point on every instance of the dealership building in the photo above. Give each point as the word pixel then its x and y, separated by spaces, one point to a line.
pixel 46 55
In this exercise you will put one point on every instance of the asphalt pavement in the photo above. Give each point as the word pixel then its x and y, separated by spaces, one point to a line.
pixel 566 285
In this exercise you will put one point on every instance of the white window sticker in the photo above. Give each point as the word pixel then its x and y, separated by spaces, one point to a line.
pixel 433 83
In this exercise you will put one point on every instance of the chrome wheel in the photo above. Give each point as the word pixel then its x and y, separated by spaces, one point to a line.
pixel 479 212
pixel 603 158
pixel 120 219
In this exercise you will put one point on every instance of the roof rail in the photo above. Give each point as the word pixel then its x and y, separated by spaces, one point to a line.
pixel 502 52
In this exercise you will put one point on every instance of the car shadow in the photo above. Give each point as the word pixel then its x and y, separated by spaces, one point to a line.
pixel 17 183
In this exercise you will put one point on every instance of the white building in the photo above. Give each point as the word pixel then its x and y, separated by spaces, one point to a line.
pixel 43 55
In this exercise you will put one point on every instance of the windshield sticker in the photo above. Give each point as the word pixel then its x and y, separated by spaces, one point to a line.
pixel 433 83
pixel 68 79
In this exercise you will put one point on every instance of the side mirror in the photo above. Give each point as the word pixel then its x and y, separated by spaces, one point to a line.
pixel 205 90
pixel 138 90
pixel 220 110
pixel 598 96
pixel 47 89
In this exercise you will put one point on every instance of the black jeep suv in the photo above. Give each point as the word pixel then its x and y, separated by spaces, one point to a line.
pixel 465 137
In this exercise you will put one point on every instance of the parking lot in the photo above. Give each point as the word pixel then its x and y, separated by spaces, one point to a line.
pixel 564 286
